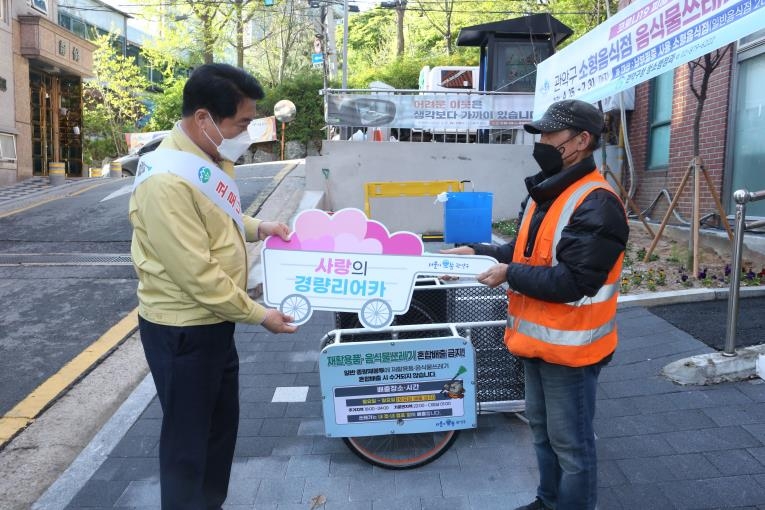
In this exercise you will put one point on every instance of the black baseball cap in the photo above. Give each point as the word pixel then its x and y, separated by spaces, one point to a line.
pixel 568 114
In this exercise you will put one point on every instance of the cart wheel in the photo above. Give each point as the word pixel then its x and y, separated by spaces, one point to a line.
pixel 298 307
pixel 402 451
pixel 376 314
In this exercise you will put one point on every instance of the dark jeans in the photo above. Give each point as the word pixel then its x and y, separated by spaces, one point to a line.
pixel 560 406
pixel 196 372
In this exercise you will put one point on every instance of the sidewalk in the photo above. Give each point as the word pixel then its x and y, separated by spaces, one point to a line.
pixel 661 446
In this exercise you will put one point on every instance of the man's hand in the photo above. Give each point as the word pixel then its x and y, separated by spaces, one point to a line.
pixel 277 322
pixel 273 228
pixel 459 250
pixel 494 276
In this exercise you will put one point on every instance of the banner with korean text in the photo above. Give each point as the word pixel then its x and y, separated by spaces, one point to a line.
pixel 453 111
pixel 644 40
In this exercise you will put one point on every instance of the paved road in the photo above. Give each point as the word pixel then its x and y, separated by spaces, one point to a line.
pixel 66 278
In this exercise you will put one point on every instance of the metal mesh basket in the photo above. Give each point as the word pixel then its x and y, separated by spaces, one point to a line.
pixel 499 373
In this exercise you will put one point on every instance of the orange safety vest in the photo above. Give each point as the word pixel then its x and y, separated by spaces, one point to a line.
pixel 574 334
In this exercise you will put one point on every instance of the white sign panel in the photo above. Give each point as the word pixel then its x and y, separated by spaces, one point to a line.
pixel 345 262
pixel 640 42
pixel 431 111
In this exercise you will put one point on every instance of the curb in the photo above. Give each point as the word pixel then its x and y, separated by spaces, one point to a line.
pixel 715 367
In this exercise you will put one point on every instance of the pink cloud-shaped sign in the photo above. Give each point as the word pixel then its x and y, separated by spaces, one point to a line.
pixel 346 231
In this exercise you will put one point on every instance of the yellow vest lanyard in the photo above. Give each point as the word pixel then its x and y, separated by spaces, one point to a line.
pixel 207 177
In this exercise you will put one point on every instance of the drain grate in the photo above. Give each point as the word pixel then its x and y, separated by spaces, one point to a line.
pixel 65 259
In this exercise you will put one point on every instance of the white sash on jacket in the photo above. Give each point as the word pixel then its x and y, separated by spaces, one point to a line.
pixel 207 177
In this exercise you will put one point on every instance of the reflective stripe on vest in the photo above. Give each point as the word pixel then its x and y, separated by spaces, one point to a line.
pixel 605 293
pixel 561 337
pixel 575 333
pixel 567 212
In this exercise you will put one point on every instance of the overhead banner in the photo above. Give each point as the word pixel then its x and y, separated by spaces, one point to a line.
pixel 441 112
pixel 642 41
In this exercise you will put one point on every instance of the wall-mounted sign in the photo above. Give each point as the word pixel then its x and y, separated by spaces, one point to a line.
pixel 398 387
pixel 3 85
pixel 346 262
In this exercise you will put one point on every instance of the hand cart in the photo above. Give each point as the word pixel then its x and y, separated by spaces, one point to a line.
pixel 388 424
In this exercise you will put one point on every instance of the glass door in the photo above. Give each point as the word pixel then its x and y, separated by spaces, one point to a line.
pixel 42 121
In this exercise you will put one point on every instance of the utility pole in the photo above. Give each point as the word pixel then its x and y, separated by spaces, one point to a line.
pixel 345 44
pixel 400 7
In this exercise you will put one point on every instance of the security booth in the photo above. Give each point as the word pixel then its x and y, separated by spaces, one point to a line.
pixel 510 51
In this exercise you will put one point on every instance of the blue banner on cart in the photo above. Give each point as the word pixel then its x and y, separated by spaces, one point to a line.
pixel 398 386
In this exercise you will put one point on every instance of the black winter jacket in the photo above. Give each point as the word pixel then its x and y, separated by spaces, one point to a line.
pixel 589 245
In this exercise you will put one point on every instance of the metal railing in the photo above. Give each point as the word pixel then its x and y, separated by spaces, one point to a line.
pixel 411 115
pixel 741 197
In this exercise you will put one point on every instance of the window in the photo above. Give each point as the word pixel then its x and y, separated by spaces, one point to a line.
pixel 7 147
pixel 661 116
pixel 747 150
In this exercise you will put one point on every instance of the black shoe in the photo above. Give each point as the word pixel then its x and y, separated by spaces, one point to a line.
pixel 537 504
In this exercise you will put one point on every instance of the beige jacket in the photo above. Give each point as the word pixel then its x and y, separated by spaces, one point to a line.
pixel 189 255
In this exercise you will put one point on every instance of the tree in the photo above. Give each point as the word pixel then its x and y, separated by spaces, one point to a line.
pixel 112 102
pixel 303 90
pixel 440 18
pixel 282 37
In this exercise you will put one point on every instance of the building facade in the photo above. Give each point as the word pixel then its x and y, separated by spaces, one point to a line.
pixel 41 70
pixel 731 145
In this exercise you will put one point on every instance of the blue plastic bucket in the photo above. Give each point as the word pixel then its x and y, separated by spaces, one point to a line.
pixel 467 217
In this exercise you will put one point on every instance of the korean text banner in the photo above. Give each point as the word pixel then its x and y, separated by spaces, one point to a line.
pixel 644 40
pixel 442 112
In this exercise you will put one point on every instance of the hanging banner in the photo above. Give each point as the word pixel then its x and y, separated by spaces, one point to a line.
pixel 443 112
pixel 137 140
pixel 262 130
pixel 642 41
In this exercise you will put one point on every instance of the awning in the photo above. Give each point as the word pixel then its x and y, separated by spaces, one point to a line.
pixel 538 25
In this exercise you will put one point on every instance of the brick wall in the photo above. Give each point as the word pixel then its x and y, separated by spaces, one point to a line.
pixel 713 133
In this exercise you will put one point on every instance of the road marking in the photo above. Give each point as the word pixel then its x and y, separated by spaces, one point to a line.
pixel 25 412
pixel 124 190
pixel 290 394
pixel 45 201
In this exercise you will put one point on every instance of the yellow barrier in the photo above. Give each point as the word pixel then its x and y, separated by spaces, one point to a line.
pixel 56 173
pixel 406 189
pixel 115 169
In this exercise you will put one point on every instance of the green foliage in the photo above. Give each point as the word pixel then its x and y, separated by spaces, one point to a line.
pixel 112 103
pixel 403 73
pixel 167 106
pixel 303 90
pixel 506 227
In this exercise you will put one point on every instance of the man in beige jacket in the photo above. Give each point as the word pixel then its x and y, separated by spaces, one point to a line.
pixel 189 252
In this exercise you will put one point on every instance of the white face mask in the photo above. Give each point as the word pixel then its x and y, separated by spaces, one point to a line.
pixel 231 148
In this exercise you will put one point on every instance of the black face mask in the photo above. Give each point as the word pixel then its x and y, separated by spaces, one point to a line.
pixel 548 157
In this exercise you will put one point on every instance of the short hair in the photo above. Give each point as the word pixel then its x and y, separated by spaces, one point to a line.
pixel 219 88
